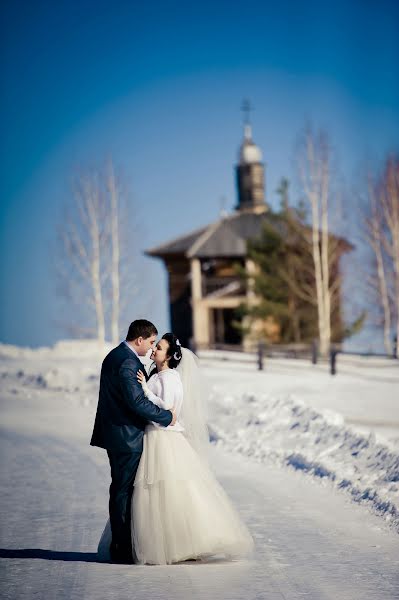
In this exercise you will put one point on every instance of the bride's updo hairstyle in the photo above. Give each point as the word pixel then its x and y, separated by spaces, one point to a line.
pixel 174 350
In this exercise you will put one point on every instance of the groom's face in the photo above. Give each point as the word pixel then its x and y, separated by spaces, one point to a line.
pixel 145 344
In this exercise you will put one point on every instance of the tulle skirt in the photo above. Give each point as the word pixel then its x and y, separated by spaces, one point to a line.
pixel 179 510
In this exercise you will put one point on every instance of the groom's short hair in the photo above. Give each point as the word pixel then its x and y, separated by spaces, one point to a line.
pixel 141 328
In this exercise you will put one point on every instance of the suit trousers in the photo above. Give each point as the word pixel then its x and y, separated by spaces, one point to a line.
pixel 124 467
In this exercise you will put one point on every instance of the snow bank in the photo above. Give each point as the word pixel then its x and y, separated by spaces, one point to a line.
pixel 61 350
pixel 287 431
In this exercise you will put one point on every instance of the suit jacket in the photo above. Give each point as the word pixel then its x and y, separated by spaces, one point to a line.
pixel 123 410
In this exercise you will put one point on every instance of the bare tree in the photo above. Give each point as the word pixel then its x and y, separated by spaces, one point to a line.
pixel 377 278
pixel 390 205
pixel 315 171
pixel 82 237
pixel 115 250
pixel 381 219
pixel 97 266
pixel 121 265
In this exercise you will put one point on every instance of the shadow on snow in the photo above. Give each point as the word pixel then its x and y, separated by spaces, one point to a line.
pixel 49 555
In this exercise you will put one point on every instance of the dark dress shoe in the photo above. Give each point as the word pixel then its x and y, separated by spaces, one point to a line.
pixel 123 560
pixel 120 557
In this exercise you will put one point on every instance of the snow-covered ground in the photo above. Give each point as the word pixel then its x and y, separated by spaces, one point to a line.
pixel 343 429
pixel 291 442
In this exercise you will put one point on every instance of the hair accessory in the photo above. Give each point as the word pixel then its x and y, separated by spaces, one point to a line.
pixel 177 342
pixel 176 356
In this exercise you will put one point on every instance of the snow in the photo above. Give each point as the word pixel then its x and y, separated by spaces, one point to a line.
pixel 343 429
pixel 285 440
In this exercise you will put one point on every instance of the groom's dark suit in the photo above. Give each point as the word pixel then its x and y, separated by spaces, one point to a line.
pixel 122 414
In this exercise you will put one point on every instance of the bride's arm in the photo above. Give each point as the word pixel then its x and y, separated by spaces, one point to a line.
pixel 167 397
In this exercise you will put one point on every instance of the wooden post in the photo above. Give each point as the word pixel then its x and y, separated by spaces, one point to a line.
pixel 200 312
pixel 333 360
pixel 261 349
pixel 314 352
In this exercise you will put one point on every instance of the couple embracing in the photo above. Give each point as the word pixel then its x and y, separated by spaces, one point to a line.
pixel 165 504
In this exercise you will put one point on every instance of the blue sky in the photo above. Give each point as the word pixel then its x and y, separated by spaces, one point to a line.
pixel 160 88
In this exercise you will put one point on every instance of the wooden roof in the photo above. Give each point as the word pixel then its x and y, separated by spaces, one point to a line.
pixel 226 237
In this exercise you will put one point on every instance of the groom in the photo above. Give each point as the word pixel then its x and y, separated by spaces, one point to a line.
pixel 122 414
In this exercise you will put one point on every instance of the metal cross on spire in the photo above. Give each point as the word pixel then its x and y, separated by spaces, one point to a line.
pixel 246 108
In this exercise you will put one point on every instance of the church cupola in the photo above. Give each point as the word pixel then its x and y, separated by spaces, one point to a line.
pixel 250 171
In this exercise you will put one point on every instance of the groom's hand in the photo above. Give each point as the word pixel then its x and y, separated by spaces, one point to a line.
pixel 174 417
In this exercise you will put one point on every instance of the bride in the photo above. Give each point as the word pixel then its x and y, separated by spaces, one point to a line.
pixel 179 510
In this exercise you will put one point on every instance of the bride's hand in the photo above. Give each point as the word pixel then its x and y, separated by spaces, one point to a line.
pixel 141 378
pixel 174 419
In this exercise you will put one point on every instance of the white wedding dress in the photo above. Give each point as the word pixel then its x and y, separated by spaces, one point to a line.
pixel 179 510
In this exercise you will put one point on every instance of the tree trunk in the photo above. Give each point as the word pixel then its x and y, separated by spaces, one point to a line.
pixel 93 211
pixel 392 218
pixel 374 226
pixel 315 178
pixel 115 254
pixel 325 255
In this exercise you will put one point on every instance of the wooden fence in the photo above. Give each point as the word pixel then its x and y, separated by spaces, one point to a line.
pixel 259 355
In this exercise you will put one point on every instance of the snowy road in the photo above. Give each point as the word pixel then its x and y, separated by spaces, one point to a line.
pixel 311 542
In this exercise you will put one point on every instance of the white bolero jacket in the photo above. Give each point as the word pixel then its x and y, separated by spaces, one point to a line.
pixel 166 391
